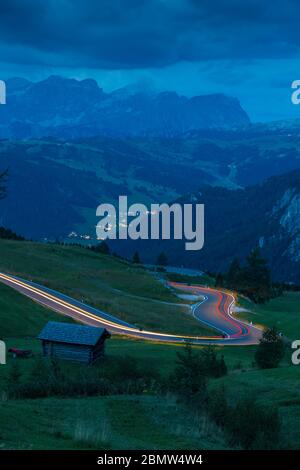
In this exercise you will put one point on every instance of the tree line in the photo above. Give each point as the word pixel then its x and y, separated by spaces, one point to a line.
pixel 252 279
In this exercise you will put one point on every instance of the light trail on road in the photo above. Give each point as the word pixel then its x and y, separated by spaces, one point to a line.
pixel 214 311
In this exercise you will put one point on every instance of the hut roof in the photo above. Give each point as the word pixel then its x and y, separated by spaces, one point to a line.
pixel 70 333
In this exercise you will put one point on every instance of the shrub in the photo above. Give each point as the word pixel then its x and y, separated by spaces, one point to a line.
pixel 188 380
pixel 13 380
pixel 217 407
pixel 212 366
pixel 270 350
pixel 123 375
pixel 253 426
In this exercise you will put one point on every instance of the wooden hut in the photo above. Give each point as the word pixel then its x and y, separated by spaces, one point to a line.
pixel 73 342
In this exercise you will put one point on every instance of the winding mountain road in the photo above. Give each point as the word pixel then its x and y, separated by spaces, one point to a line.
pixel 214 311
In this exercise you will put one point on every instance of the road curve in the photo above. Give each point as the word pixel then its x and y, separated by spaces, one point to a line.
pixel 214 311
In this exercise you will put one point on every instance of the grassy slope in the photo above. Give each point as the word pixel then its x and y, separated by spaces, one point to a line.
pixel 282 312
pixel 110 284
pixel 278 387
pixel 135 425
pixel 19 317
pixel 147 422
pixel 100 423
pixel 121 422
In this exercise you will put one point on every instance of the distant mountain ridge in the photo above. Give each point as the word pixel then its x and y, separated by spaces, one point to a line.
pixel 68 108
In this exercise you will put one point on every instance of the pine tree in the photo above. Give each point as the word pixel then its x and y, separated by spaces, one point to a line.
pixel 257 277
pixel 189 381
pixel 235 274
pixel 136 258
pixel 3 178
pixel 212 366
pixel 162 259
pixel 102 248
pixel 219 280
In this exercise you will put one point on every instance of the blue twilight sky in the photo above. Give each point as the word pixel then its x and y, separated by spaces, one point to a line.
pixel 246 48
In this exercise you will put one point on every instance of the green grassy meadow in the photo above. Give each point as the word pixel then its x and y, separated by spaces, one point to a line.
pixel 113 285
pixel 148 420
pixel 282 312
pixel 124 422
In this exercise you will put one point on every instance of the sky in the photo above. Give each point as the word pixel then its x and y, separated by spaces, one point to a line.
pixel 249 49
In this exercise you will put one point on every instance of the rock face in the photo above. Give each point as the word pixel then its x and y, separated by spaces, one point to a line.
pixel 68 108
pixel 290 222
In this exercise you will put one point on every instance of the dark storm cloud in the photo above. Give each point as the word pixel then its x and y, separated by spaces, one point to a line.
pixel 145 33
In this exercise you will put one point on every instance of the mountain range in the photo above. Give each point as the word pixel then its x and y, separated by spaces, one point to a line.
pixel 68 108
